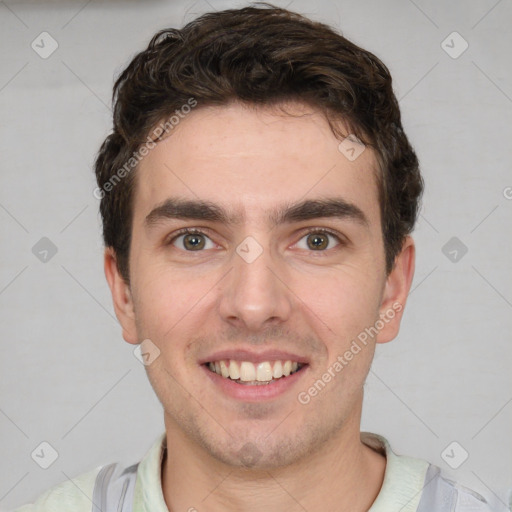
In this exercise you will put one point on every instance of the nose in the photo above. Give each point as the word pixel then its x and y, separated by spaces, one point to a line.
pixel 255 294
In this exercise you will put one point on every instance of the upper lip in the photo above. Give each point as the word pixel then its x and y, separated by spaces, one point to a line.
pixel 254 357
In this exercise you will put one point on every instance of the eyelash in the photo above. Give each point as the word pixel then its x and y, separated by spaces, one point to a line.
pixel 195 231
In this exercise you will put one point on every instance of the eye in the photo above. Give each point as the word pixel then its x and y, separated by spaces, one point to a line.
pixel 191 240
pixel 318 240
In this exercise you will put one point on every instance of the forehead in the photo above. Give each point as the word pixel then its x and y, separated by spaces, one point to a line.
pixel 249 160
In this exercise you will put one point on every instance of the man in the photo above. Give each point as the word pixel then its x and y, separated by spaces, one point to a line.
pixel 257 195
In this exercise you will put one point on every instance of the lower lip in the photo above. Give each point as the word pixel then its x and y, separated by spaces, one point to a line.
pixel 255 393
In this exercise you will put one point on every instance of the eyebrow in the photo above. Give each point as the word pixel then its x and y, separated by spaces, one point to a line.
pixel 177 208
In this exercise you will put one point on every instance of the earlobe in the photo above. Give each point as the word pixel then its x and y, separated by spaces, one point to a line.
pixel 121 297
pixel 396 290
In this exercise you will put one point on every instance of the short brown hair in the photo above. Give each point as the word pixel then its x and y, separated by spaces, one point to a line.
pixel 260 55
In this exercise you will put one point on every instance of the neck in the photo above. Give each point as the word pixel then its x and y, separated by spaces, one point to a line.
pixel 344 474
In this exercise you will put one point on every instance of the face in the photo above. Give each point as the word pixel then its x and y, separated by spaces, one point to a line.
pixel 257 250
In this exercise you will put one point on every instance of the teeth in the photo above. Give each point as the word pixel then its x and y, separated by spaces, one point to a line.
pixel 233 370
pixel 278 370
pixel 264 372
pixel 247 372
pixel 224 369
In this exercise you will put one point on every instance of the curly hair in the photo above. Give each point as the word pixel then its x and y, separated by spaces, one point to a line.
pixel 259 55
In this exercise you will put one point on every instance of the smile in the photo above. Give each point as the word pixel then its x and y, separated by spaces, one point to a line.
pixel 248 373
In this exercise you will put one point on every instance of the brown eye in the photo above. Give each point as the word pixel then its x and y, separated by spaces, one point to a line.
pixel 319 241
pixel 192 241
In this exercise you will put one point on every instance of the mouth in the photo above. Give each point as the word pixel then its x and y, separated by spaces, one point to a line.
pixel 247 373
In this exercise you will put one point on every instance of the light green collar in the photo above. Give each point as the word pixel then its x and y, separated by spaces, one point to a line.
pixel 401 490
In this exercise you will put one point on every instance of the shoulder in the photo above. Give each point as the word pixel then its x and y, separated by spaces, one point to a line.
pixel 414 485
pixel 441 493
pixel 470 500
pixel 74 494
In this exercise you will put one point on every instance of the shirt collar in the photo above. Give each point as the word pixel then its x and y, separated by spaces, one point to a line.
pixel 401 489
pixel 404 478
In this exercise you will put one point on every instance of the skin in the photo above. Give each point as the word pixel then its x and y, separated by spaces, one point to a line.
pixel 312 302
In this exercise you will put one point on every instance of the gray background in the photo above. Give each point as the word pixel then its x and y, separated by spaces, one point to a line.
pixel 67 376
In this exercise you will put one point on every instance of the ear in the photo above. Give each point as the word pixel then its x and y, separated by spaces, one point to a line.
pixel 121 297
pixel 395 293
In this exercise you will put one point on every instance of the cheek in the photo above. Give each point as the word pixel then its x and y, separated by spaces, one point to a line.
pixel 164 300
pixel 345 300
